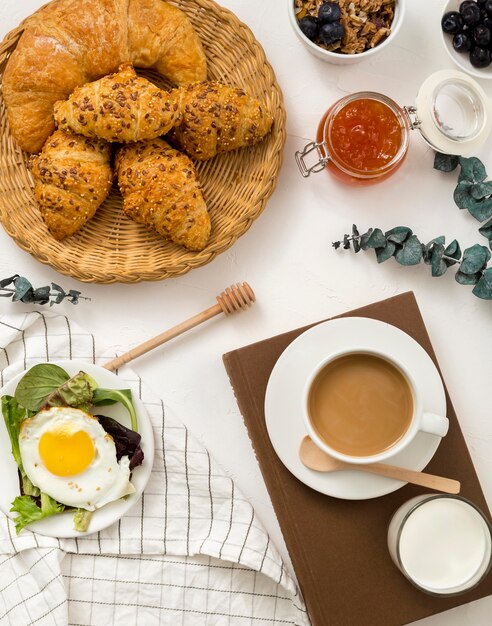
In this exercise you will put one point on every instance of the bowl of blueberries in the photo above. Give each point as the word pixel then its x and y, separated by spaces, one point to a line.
pixel 467 35
pixel 343 32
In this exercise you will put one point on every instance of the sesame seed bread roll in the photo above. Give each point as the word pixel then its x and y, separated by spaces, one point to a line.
pixel 120 107
pixel 160 189
pixel 217 118
pixel 73 177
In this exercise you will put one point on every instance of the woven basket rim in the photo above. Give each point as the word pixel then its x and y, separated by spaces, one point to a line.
pixel 192 260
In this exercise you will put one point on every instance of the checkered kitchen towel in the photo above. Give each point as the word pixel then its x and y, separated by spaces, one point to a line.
pixel 191 552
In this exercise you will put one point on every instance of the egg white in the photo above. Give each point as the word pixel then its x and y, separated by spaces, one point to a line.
pixel 103 481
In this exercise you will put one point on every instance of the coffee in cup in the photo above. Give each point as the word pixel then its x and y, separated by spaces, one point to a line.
pixel 363 406
pixel 360 404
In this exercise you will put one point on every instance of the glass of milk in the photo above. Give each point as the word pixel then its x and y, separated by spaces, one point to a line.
pixel 441 543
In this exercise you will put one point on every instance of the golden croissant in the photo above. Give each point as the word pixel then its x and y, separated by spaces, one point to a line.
pixel 160 189
pixel 217 118
pixel 68 43
pixel 72 177
pixel 120 107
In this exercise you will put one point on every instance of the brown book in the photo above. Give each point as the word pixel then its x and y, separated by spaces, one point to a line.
pixel 338 547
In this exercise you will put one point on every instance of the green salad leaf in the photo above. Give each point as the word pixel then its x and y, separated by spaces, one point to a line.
pixel 13 414
pixel 105 397
pixel 76 392
pixel 38 383
pixel 81 520
pixel 28 511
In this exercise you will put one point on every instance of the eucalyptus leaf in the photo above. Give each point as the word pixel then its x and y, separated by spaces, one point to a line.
pixel 486 231
pixel 8 281
pixel 462 194
pixel 41 295
pixel 438 266
pixel 398 234
pixel 37 384
pixel 481 209
pixel 483 289
pixel 466 279
pixel 355 238
pixel 383 254
pixel 410 253
pixel 453 250
pixel 479 191
pixel 445 162
pixel 474 259
pixel 472 169
pixel 374 238
pixel 22 286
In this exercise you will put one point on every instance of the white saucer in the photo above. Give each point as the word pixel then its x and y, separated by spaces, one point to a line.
pixel 283 401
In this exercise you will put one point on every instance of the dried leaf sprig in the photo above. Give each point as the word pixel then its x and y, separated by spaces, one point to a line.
pixel 473 192
pixel 22 290
pixel 405 247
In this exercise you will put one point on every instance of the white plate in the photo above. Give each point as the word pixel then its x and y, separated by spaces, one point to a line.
pixel 62 525
pixel 283 401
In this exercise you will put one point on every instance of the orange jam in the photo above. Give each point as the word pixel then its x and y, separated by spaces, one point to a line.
pixel 365 138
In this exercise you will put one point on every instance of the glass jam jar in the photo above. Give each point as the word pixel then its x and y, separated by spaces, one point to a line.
pixel 363 138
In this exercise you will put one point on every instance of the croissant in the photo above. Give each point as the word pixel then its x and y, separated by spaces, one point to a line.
pixel 120 107
pixel 217 118
pixel 72 177
pixel 160 189
pixel 68 43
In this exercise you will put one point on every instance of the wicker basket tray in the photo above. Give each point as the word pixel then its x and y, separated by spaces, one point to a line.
pixel 236 185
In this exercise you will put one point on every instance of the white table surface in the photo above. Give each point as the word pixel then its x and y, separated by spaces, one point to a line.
pixel 288 259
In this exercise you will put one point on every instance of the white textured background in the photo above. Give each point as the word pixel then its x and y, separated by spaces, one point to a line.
pixel 288 259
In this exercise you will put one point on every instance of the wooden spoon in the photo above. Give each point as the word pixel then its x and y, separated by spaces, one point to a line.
pixel 314 458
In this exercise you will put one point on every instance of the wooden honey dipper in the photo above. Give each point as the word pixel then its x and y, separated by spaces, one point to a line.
pixel 232 300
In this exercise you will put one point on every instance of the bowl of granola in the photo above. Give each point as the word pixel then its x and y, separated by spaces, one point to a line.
pixel 346 31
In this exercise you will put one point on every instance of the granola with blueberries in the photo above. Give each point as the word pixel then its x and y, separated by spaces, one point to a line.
pixel 346 26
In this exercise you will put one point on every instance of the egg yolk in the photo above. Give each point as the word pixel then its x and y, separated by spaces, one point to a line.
pixel 66 453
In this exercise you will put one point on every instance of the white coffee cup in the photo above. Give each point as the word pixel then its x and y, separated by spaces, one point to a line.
pixel 441 543
pixel 421 420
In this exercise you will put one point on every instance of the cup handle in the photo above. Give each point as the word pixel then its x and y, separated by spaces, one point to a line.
pixel 434 424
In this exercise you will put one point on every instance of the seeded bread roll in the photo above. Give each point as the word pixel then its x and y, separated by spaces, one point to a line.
pixel 217 118
pixel 161 190
pixel 72 177
pixel 120 107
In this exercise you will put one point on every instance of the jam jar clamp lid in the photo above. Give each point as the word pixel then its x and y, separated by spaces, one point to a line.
pixel 452 113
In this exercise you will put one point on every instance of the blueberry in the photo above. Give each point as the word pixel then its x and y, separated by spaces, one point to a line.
pixel 481 3
pixel 465 3
pixel 309 27
pixel 480 57
pixel 481 36
pixel 488 7
pixel 470 13
pixel 329 12
pixel 329 33
pixel 462 43
pixel 487 22
pixel 452 22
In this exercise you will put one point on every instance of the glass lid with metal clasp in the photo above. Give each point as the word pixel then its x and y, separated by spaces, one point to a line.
pixel 363 138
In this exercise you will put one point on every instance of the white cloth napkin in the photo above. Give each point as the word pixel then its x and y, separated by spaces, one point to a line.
pixel 190 552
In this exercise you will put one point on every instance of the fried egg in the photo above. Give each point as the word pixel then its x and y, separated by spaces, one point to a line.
pixel 68 455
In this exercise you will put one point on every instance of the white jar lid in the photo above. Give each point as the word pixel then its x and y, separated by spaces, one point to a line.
pixel 454 112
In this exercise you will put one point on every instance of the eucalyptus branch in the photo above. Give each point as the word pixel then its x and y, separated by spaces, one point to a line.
pixel 473 192
pixel 405 247
pixel 23 291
